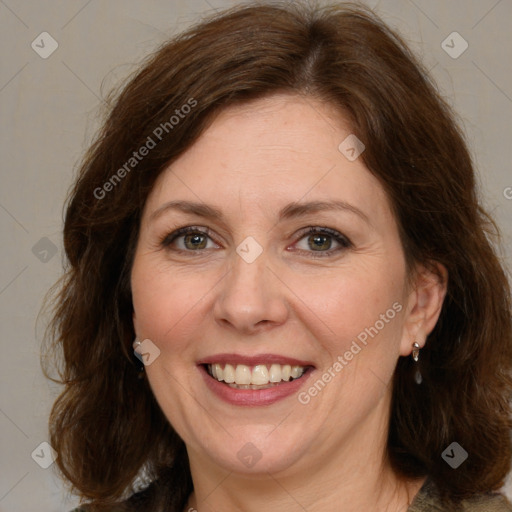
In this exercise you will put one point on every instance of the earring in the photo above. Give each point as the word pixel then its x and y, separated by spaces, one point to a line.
pixel 416 351
pixel 416 355
pixel 136 344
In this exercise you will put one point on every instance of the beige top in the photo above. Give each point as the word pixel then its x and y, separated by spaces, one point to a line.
pixel 427 500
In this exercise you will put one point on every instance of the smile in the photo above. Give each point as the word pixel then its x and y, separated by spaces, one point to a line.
pixel 254 380
pixel 260 376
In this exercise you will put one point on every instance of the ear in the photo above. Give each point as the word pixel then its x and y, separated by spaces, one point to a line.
pixel 424 303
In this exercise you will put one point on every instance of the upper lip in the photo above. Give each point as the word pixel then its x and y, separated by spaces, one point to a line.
pixel 253 360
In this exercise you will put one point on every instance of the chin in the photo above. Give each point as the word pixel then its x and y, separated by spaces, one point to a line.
pixel 253 450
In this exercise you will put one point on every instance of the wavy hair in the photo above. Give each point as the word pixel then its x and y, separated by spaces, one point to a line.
pixel 106 425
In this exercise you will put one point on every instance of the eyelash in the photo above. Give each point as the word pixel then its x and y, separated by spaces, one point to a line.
pixel 344 242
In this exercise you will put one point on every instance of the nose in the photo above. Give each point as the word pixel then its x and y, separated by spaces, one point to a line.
pixel 251 298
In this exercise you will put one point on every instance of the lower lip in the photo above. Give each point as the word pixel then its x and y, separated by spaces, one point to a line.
pixel 253 397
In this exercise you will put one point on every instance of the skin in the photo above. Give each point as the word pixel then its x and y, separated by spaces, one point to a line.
pixel 328 454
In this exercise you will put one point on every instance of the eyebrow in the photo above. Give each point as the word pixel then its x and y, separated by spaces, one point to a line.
pixel 290 211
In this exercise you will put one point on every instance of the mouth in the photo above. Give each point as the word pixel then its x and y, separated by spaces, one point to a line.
pixel 254 380
pixel 260 376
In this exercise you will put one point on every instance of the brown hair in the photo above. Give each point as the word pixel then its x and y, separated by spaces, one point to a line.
pixel 106 424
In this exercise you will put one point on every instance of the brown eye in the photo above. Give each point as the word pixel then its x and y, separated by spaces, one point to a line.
pixel 188 239
pixel 196 241
pixel 320 240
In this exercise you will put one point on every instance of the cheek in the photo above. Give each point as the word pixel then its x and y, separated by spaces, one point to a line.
pixel 349 300
pixel 163 300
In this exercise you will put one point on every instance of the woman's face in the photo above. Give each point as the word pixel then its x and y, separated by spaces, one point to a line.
pixel 259 295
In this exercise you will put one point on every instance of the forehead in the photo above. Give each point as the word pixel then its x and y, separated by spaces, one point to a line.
pixel 269 152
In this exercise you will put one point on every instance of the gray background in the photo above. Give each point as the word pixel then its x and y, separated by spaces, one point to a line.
pixel 49 113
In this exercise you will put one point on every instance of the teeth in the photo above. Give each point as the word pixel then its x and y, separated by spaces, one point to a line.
pixel 229 374
pixel 260 375
pixel 217 371
pixel 296 372
pixel 275 373
pixel 242 374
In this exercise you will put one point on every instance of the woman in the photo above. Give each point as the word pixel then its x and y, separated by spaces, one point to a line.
pixel 281 291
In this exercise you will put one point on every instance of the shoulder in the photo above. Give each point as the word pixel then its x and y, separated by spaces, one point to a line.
pixel 138 502
pixel 85 508
pixel 428 500
pixel 488 503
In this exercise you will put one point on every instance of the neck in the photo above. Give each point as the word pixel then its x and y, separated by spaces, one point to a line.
pixel 232 494
pixel 351 477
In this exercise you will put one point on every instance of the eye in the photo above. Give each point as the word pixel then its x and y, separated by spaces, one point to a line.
pixel 193 239
pixel 320 241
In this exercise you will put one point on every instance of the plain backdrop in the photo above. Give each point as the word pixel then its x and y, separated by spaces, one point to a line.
pixel 49 113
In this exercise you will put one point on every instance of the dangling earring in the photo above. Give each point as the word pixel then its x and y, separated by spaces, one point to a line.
pixel 136 344
pixel 416 355
pixel 416 351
